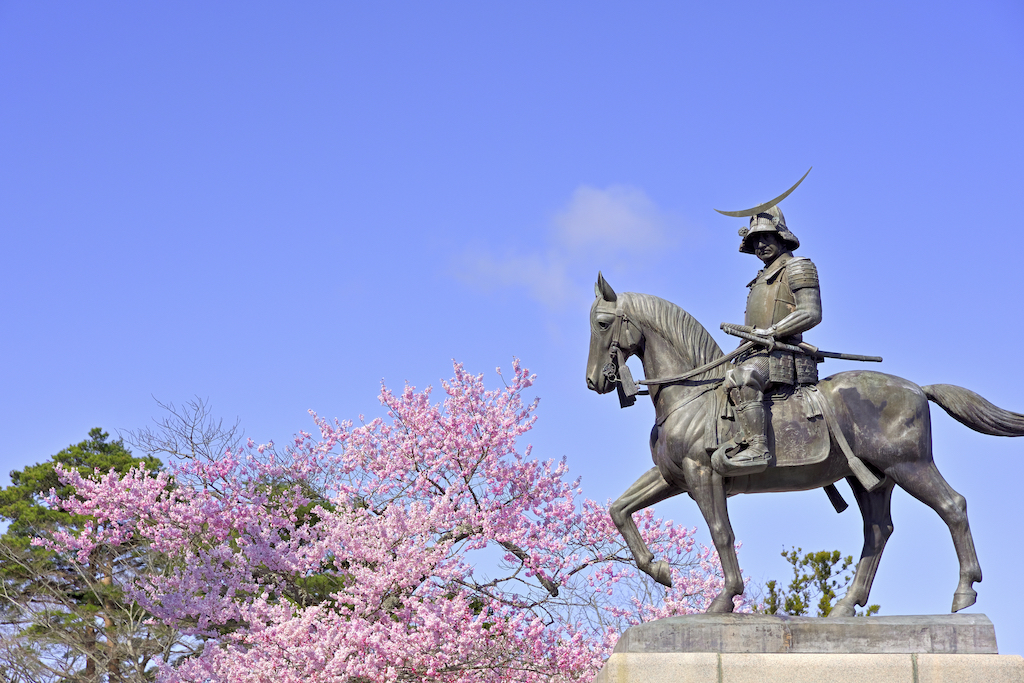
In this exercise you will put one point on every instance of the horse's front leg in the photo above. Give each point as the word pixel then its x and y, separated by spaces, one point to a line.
pixel 649 489
pixel 708 492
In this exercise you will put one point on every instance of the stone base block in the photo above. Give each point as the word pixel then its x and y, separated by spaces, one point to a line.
pixel 744 648
pixel 962 634
pixel 713 667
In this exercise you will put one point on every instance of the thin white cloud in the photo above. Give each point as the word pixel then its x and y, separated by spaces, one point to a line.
pixel 543 277
pixel 620 216
pixel 601 227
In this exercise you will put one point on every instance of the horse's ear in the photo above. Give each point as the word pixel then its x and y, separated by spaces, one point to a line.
pixel 603 289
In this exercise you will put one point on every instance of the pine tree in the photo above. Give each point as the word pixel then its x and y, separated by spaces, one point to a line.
pixel 824 575
pixel 64 618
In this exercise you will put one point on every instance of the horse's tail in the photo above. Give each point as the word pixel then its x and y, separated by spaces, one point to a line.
pixel 966 407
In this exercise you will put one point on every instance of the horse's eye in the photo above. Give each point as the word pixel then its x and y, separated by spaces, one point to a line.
pixel 603 325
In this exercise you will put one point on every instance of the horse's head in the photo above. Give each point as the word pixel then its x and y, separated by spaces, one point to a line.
pixel 613 338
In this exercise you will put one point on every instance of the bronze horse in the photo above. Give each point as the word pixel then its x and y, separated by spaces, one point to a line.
pixel 885 419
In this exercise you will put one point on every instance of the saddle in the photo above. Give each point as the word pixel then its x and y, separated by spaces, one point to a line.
pixel 801 426
pixel 796 429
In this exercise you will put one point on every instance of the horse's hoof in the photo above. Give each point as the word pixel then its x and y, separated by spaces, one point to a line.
pixel 843 610
pixel 962 599
pixel 662 573
pixel 723 603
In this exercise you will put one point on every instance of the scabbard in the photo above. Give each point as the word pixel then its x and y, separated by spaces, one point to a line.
pixel 743 332
pixel 850 356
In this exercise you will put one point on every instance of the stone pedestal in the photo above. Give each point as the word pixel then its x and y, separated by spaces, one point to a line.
pixel 742 648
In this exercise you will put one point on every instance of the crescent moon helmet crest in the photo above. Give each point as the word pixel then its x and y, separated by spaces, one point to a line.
pixel 760 208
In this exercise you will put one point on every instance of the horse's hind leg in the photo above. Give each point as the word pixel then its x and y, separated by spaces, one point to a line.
pixel 874 507
pixel 649 489
pixel 923 481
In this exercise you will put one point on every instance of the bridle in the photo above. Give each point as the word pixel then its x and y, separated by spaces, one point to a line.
pixel 616 370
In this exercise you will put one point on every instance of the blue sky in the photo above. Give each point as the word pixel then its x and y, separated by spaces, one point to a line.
pixel 275 207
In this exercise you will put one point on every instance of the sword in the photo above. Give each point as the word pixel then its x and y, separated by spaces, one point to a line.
pixel 745 332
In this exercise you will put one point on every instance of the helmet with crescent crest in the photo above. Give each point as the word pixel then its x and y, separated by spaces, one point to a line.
pixel 766 217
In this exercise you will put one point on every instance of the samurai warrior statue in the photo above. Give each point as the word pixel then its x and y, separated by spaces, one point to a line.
pixel 784 301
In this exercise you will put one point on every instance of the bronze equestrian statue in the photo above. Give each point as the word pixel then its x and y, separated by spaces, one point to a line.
pixel 764 423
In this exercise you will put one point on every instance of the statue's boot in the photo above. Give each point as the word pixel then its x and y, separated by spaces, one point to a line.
pixel 754 458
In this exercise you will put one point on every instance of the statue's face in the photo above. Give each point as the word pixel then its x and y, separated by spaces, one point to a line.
pixel 767 246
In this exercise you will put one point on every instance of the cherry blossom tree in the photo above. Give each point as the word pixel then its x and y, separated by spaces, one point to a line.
pixel 423 546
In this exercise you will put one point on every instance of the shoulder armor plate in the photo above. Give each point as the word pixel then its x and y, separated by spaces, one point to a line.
pixel 802 273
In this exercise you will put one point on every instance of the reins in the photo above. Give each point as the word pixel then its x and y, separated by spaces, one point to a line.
pixel 702 369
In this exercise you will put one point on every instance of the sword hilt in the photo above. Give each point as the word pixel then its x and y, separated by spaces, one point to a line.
pixel 743 332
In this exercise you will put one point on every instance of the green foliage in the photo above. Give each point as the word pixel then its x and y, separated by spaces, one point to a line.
pixel 818 578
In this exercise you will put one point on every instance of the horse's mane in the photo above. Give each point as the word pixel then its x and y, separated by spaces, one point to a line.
pixel 680 329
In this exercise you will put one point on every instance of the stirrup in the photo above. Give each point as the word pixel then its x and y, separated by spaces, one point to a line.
pixel 732 459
